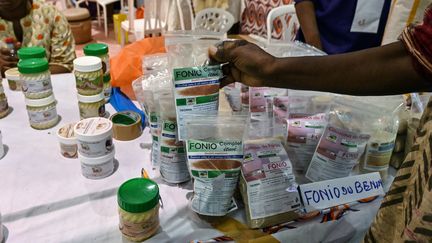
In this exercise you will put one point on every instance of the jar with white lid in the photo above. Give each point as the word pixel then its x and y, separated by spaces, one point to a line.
pixel 88 75
pixel 94 137
pixel 35 78
pixel 4 106
pixel 97 168
pixel 67 140
pixel 42 112
pixel 99 50
pixel 13 77
pixel 91 106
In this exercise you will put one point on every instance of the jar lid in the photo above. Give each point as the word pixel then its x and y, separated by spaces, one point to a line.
pixel 97 160
pixel 12 74
pixel 91 98
pixel 95 49
pixel 138 195
pixel 40 102
pixel 33 65
pixel 93 129
pixel 31 52
pixel 87 64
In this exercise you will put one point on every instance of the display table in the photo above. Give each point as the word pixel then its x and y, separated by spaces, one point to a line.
pixel 44 197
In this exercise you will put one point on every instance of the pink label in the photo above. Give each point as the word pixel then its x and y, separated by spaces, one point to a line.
pixel 305 128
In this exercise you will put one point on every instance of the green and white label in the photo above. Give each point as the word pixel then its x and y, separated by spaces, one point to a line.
pixel 196 91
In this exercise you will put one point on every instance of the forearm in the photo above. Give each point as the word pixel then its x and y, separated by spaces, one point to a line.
pixel 306 15
pixel 377 71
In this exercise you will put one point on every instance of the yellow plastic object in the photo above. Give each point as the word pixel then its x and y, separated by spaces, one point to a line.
pixel 118 18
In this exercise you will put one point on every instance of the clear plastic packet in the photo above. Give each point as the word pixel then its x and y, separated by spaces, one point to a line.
pixel 214 147
pixel 147 90
pixel 293 49
pixel 280 115
pixel 173 165
pixel 154 64
pixel 307 118
pixel 195 84
pixel 244 96
pixel 233 95
pixel 267 183
pixel 350 126
pixel 261 101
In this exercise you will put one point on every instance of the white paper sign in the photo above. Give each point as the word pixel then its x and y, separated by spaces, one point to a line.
pixel 367 16
pixel 330 193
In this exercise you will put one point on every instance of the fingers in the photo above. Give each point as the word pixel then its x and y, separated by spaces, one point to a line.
pixel 223 51
pixel 226 80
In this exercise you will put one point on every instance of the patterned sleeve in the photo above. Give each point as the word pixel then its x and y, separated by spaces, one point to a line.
pixel 418 41
pixel 62 42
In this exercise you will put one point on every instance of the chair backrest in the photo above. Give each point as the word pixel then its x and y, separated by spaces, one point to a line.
pixel 155 12
pixel 214 19
pixel 288 31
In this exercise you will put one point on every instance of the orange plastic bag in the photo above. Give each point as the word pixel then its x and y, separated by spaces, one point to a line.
pixel 126 66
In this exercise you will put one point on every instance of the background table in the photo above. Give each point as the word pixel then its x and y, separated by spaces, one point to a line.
pixel 44 197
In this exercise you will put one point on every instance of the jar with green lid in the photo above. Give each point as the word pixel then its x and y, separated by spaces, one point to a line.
pixel 88 75
pixel 138 201
pixel 4 107
pixel 107 87
pixel 42 112
pixel 91 105
pixel 99 50
pixel 25 53
pixel 13 77
pixel 35 78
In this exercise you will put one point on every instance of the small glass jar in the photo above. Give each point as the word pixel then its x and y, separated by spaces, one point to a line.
pixel 99 50
pixel 35 77
pixel 4 107
pixel 42 112
pixel 67 141
pixel 138 201
pixel 25 53
pixel 107 88
pixel 88 75
pixel 91 106
pixel 13 77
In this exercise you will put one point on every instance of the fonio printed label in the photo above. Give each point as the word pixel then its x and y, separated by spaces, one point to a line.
pixel 215 166
pixel 196 92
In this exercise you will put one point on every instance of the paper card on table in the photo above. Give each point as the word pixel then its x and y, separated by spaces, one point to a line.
pixel 330 193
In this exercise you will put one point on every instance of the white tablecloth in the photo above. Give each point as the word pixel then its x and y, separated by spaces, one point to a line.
pixel 44 197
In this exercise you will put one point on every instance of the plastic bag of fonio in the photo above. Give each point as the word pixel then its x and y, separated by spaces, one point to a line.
pixel 214 147
pixel 267 182
pixel 307 118
pixel 195 82
pixel 350 126
pixel 233 96
pixel 173 165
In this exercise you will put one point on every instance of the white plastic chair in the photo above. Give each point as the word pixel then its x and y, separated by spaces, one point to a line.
pixel 281 11
pixel 214 19
pixel 103 4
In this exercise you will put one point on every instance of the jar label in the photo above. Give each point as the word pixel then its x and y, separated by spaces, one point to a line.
pixel 92 110
pixel 43 116
pixel 97 171
pixel 36 86
pixel 89 84
pixel 69 150
pixel 139 230
pixel 96 149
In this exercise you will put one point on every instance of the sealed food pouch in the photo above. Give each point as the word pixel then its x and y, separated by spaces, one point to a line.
pixel 261 101
pixel 280 115
pixel 173 165
pixel 307 118
pixel 233 96
pixel 267 182
pixel 195 83
pixel 214 148
pixel 344 139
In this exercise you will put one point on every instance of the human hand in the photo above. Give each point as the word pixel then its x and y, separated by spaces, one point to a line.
pixel 6 60
pixel 246 63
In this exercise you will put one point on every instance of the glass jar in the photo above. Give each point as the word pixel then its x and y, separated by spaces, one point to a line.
pixel 138 201
pixel 4 107
pixel 25 53
pixel 107 88
pixel 91 106
pixel 35 77
pixel 67 141
pixel 42 112
pixel 99 50
pixel 13 77
pixel 88 75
